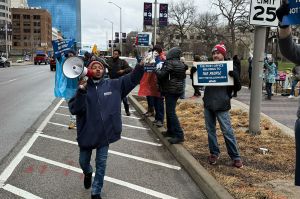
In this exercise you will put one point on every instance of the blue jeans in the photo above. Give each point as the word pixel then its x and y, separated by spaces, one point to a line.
pixel 225 124
pixel 159 108
pixel 101 157
pixel 173 125
pixel 294 83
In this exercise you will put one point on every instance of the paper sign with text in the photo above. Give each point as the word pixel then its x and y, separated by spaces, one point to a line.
pixel 213 73
pixel 294 16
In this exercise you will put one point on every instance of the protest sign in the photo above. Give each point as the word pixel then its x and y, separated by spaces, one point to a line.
pixel 61 46
pixel 213 73
pixel 294 16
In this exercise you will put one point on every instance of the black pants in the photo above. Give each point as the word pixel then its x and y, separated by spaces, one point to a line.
pixel 297 140
pixel 269 89
pixel 126 105
pixel 196 89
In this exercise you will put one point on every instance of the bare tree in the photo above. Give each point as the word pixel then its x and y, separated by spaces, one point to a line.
pixel 182 14
pixel 207 27
pixel 236 13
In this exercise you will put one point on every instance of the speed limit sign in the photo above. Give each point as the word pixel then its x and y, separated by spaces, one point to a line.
pixel 263 12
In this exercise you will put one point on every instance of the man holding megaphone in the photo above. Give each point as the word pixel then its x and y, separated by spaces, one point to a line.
pixel 97 105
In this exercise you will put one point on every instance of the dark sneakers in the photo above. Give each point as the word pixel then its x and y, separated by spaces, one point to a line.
pixel 87 180
pixel 128 113
pixel 97 196
pixel 212 159
pixel 175 140
pixel 167 134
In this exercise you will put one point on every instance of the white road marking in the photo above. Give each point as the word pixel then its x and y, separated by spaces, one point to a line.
pixel 64 107
pixel 132 117
pixel 14 163
pixel 141 141
pixel 118 153
pixel 20 192
pixel 106 178
pixel 137 127
pixel 6 82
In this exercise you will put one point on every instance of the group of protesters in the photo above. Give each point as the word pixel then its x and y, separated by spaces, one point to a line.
pixel 96 102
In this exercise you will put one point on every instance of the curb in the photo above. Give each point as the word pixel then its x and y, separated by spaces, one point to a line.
pixel 208 184
pixel 282 127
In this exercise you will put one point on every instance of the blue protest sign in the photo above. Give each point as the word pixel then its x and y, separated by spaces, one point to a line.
pixel 60 47
pixel 213 73
pixel 144 39
pixel 294 16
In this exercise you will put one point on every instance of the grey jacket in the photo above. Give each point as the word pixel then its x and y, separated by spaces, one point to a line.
pixel 291 51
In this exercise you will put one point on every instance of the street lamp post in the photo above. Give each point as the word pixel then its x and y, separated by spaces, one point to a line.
pixel 120 35
pixel 112 35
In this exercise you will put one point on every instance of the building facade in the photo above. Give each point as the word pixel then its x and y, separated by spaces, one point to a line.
pixel 5 27
pixel 32 31
pixel 66 16
pixel 19 4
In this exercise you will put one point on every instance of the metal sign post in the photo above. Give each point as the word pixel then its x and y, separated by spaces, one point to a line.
pixel 262 14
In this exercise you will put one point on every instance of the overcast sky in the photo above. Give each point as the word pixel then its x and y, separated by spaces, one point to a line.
pixel 95 30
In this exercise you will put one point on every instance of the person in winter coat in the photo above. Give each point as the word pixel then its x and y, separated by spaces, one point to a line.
pixel 216 106
pixel 237 64
pixel 170 80
pixel 291 51
pixel 117 68
pixel 97 106
pixel 193 69
pixel 270 75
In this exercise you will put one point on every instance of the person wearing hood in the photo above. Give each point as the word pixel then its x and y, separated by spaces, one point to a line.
pixel 117 68
pixel 270 75
pixel 171 82
pixel 97 106
pixel 216 107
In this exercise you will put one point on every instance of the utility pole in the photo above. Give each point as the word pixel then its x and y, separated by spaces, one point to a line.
pixel 112 35
pixel 256 79
pixel 6 47
pixel 155 21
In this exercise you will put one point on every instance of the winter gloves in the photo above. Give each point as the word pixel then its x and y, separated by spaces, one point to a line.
pixel 282 11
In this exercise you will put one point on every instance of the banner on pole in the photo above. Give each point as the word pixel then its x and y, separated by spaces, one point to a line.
pixel 163 14
pixel 294 16
pixel 213 73
pixel 147 14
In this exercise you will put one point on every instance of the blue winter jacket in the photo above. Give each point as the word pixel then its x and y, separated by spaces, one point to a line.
pixel 98 109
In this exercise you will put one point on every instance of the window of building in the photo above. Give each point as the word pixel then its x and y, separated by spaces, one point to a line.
pixel 185 37
pixel 198 37
pixel 37 31
pixel 2 7
pixel 36 17
pixel 192 36
pixel 16 16
pixel 36 23
pixel 26 16
pixel 16 43
pixel 26 30
pixel 177 37
pixel 2 14
pixel 26 24
pixel 17 37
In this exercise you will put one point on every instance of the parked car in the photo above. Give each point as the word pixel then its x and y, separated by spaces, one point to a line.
pixel 4 62
pixel 41 58
pixel 52 64
pixel 26 58
pixel 130 60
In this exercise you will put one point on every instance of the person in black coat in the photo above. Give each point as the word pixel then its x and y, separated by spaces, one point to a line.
pixel 170 80
pixel 237 65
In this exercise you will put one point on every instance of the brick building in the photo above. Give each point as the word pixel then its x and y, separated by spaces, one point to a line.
pixel 32 31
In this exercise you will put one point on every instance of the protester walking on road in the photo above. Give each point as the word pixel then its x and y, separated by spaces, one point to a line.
pixel 117 68
pixel 170 80
pixel 216 106
pixel 270 75
pixel 291 51
pixel 97 105
pixel 295 79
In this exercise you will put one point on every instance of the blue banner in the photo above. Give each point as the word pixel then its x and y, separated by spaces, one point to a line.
pixel 294 16
pixel 60 47
pixel 212 73
pixel 143 39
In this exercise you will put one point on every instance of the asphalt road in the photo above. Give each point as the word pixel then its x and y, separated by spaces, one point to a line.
pixel 25 92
